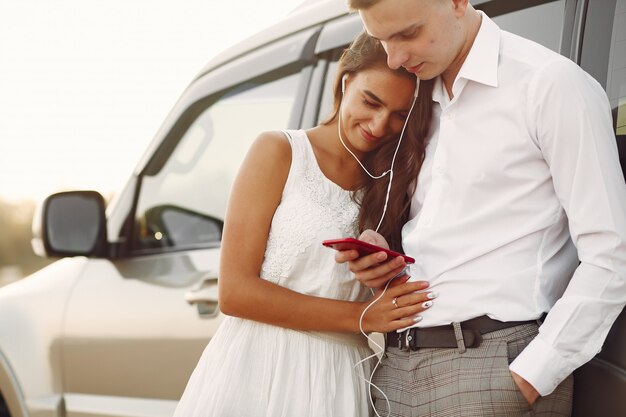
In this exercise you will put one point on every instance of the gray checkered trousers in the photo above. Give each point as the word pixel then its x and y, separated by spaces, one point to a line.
pixel 452 382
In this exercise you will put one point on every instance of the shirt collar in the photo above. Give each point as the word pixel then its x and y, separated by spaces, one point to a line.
pixel 481 64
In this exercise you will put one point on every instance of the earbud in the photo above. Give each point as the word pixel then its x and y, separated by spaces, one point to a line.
pixel 343 83
pixel 417 87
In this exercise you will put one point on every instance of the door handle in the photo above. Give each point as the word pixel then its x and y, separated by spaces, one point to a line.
pixel 204 296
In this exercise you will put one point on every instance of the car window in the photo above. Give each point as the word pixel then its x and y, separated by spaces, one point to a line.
pixel 616 79
pixel 183 204
pixel 604 57
pixel 326 105
pixel 536 23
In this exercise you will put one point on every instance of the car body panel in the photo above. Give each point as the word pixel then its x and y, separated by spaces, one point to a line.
pixel 31 320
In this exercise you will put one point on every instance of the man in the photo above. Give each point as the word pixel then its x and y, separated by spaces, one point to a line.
pixel 520 181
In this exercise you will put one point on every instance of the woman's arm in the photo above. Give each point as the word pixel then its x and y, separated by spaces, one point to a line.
pixel 254 198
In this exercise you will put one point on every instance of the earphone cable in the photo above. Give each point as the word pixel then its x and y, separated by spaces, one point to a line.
pixel 378 354
pixel 375 177
pixel 393 159
pixel 389 171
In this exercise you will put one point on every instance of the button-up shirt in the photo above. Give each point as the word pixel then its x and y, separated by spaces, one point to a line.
pixel 521 180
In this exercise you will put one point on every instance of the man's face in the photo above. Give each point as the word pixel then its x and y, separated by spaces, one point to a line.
pixel 423 36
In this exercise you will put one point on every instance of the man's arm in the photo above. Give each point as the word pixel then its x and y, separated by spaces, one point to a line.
pixel 574 131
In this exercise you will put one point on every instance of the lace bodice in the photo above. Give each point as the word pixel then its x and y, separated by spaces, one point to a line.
pixel 312 209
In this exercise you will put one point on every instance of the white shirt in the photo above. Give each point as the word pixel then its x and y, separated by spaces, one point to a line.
pixel 520 160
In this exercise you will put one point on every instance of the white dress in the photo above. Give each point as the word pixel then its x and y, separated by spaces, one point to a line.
pixel 253 369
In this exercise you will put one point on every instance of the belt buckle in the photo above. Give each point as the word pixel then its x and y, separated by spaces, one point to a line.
pixel 406 337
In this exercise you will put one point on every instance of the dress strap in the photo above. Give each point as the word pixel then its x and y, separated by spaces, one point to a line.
pixel 299 145
pixel 299 159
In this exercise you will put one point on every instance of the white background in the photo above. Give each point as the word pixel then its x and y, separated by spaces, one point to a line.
pixel 85 84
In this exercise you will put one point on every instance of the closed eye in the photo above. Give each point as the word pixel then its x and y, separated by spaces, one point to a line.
pixel 402 115
pixel 371 104
pixel 410 33
pixel 371 99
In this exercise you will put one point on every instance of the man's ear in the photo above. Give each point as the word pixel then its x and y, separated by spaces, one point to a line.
pixel 460 7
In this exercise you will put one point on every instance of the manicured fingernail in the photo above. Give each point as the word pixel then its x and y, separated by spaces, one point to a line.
pixel 431 295
pixel 417 319
pixel 427 304
pixel 381 256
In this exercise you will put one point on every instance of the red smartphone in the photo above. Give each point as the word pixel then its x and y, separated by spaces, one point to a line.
pixel 364 248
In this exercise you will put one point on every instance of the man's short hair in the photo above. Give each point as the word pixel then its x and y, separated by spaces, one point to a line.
pixel 361 4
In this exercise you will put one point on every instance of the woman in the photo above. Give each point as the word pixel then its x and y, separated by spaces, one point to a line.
pixel 292 347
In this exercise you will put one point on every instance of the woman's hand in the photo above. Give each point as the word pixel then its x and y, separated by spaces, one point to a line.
pixel 372 270
pixel 399 306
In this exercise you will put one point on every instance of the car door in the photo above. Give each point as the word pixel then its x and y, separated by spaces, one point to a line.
pixel 131 338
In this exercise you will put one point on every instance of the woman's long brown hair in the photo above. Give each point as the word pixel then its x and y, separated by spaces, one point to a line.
pixel 364 53
pixel 406 169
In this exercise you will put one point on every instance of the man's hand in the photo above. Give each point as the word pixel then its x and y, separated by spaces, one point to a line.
pixel 528 391
pixel 372 270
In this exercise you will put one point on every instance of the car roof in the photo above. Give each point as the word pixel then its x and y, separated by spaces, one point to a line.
pixel 309 14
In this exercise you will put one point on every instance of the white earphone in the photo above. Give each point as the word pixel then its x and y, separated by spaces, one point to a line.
pixel 393 160
pixel 390 172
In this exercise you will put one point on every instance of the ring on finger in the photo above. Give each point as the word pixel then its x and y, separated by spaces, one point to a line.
pixel 395 301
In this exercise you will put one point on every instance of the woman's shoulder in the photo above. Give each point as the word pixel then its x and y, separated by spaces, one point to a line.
pixel 272 144
pixel 267 161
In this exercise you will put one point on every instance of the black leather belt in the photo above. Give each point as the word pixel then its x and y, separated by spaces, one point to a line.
pixel 444 336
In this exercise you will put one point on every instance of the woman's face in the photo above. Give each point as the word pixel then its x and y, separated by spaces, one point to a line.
pixel 374 108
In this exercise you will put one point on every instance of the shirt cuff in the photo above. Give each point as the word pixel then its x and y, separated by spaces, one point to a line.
pixel 541 366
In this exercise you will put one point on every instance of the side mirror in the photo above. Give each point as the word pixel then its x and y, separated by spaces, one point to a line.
pixel 70 224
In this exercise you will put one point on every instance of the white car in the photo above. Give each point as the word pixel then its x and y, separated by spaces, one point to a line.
pixel 116 326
